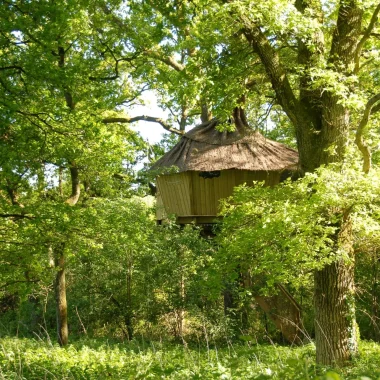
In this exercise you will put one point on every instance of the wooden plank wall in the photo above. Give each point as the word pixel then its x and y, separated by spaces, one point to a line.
pixel 206 193
pixel 188 194
pixel 246 176
pixel 175 193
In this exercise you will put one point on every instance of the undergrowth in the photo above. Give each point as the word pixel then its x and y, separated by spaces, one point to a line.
pixel 95 359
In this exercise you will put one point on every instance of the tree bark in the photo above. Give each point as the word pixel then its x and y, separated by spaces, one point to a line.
pixel 75 185
pixel 334 301
pixel 335 327
pixel 375 299
pixel 128 315
pixel 335 324
pixel 60 295
pixel 60 181
pixel 59 262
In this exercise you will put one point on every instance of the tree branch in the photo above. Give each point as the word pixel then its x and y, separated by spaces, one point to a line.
pixel 75 186
pixel 346 35
pixel 67 94
pixel 366 35
pixel 116 68
pixel 274 69
pixel 134 97
pixel 152 119
pixel 113 77
pixel 170 61
pixel 363 147
pixel 28 116
pixel 309 52
pixel 13 67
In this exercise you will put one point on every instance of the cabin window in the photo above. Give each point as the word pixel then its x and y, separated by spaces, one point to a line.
pixel 209 175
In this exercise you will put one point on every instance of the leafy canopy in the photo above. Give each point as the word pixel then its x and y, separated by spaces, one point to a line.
pixel 282 234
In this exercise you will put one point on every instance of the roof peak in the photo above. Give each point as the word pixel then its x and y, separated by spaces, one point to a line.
pixel 207 132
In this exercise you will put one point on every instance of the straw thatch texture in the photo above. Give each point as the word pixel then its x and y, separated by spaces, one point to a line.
pixel 205 149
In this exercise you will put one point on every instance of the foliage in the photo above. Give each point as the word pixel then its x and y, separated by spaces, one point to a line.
pixel 67 69
pixel 94 359
pixel 270 231
pixel 124 272
pixel 367 292
pixel 56 86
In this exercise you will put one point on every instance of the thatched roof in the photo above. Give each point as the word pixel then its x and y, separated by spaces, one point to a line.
pixel 206 149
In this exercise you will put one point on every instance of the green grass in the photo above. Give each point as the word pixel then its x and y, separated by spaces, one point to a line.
pixel 92 359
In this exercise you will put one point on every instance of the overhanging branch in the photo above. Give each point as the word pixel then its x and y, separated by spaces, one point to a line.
pixel 151 119
pixel 274 69
pixel 13 67
pixel 170 61
pixel 109 78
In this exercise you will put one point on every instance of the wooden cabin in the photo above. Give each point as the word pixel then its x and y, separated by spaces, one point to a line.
pixel 208 164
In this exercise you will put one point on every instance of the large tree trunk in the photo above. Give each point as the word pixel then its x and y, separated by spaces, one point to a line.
pixel 58 251
pixel 335 324
pixel 335 327
pixel 334 300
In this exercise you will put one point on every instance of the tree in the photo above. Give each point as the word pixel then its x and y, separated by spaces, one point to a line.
pixel 320 115
pixel 58 80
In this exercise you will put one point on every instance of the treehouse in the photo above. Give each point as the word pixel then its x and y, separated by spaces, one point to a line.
pixel 203 168
pixel 208 164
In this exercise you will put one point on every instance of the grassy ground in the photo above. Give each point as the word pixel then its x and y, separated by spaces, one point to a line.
pixel 91 359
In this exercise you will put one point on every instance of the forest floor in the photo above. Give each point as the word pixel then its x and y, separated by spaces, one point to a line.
pixel 100 359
